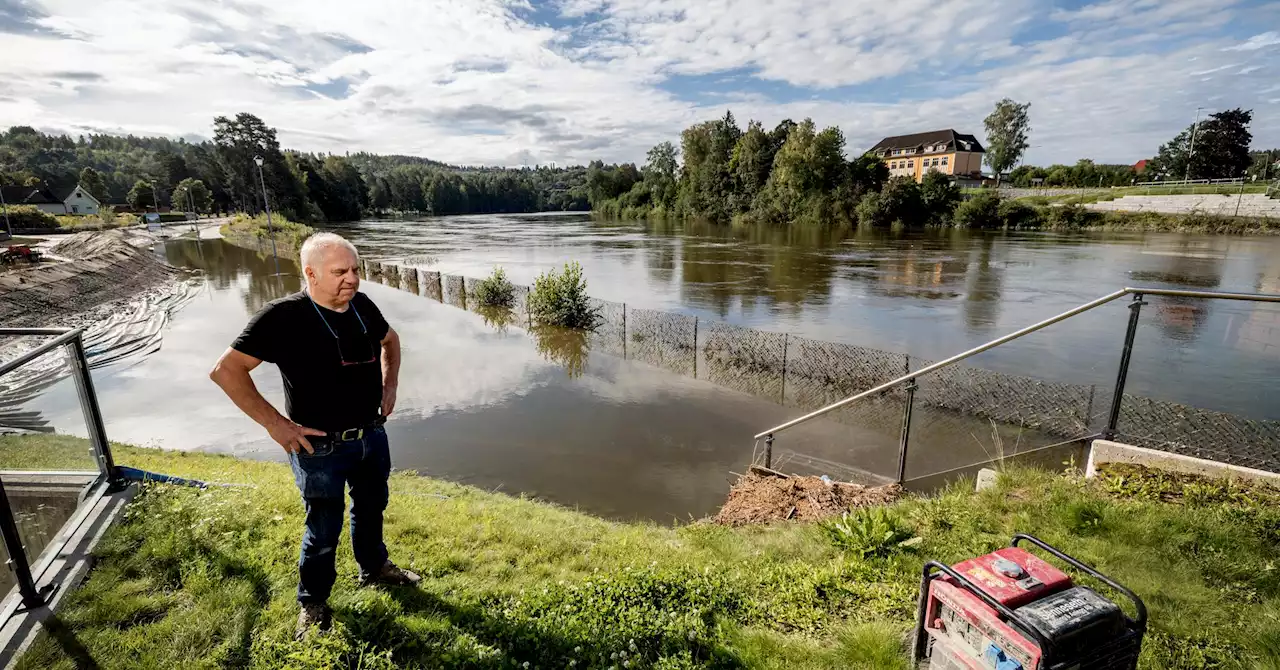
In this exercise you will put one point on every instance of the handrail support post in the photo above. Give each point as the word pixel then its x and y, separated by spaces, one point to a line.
pixel 768 451
pixel 1126 355
pixel 906 430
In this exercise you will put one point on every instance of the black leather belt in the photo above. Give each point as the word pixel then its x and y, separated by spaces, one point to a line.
pixel 353 434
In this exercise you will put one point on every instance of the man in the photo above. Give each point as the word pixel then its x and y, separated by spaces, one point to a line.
pixel 341 363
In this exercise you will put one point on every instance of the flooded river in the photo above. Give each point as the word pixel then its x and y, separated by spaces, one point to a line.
pixel 488 406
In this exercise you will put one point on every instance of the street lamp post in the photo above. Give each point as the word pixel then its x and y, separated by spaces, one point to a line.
pixel 270 229
pixel 5 209
pixel 1191 152
pixel 155 200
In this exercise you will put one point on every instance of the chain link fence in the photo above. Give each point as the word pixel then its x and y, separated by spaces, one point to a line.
pixel 995 411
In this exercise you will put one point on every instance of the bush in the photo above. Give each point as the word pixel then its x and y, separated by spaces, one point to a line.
pixel 560 299
pixel 1071 216
pixel 288 233
pixel 940 197
pixel 1018 214
pixel 870 212
pixel 495 290
pixel 980 211
pixel 876 531
pixel 28 217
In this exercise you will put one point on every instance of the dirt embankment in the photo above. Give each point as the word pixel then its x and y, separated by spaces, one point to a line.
pixel 762 496
pixel 99 267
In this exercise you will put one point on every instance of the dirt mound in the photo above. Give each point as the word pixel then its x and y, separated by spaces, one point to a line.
pixel 103 266
pixel 761 496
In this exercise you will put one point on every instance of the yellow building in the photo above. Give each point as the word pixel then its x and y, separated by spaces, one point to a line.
pixel 946 151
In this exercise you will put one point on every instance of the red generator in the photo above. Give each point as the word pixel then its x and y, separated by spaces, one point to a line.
pixel 1010 610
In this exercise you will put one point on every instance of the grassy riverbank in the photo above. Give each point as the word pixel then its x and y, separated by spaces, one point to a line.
pixel 205 578
pixel 253 231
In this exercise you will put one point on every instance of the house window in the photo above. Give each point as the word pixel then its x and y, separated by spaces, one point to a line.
pixel 75 209
pixel 944 160
pixel 78 194
pixel 911 163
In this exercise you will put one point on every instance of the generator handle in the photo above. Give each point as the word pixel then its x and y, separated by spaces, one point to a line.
pixel 1137 602
pixel 1008 614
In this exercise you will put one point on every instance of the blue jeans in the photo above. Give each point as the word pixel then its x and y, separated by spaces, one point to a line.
pixel 363 465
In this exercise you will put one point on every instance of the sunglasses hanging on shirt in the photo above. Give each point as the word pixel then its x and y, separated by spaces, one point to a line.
pixel 343 355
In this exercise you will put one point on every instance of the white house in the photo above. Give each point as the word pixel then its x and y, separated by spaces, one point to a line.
pixel 77 200
pixel 68 200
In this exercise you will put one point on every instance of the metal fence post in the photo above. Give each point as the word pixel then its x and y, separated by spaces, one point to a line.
pixel 624 331
pixel 782 395
pixel 906 430
pixel 1113 419
pixel 31 596
pixel 92 412
pixel 768 450
pixel 695 347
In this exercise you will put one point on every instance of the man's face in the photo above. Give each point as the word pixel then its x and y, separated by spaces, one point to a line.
pixel 334 276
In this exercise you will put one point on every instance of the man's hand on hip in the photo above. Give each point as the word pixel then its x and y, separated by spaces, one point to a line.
pixel 388 399
pixel 293 437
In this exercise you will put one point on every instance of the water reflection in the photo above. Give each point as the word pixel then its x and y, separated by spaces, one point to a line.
pixel 566 347
pixel 225 264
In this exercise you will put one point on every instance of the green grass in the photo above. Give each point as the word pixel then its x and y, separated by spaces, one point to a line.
pixel 255 229
pixel 198 579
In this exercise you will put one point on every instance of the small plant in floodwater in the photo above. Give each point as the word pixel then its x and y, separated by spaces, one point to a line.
pixel 867 532
pixel 560 299
pixel 495 290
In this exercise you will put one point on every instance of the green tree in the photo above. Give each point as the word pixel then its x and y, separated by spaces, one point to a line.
pixel 806 171
pixel 238 142
pixel 1008 127
pixel 1221 149
pixel 91 180
pixel 191 192
pixel 142 196
pixel 660 171
pixel 939 197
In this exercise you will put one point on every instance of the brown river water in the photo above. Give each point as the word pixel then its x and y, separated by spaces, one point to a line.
pixel 495 408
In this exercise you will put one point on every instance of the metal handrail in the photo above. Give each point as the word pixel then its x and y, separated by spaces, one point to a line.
pixel 65 335
pixel 910 376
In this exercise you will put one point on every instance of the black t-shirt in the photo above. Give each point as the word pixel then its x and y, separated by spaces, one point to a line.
pixel 332 373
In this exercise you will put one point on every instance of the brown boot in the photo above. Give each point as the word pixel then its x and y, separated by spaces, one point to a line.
pixel 391 575
pixel 313 614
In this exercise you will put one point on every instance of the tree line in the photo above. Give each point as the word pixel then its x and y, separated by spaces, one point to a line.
pixel 222 175
pixel 793 172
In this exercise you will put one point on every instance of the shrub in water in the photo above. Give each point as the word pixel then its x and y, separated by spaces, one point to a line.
pixel 980 211
pixel 560 299
pixel 1018 214
pixel 28 217
pixel 495 290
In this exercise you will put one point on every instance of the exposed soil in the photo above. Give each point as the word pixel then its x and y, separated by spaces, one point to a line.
pixel 762 496
pixel 87 270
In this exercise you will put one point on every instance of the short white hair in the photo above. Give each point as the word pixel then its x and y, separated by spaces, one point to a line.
pixel 316 244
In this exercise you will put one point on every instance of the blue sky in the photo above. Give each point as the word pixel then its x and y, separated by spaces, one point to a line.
pixel 566 81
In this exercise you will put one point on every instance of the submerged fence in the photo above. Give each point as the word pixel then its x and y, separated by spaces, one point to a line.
pixel 810 374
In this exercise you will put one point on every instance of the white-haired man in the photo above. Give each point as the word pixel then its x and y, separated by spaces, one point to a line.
pixel 341 363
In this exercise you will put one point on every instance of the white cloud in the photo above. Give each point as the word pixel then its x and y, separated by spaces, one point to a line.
pixel 474 82
pixel 1267 39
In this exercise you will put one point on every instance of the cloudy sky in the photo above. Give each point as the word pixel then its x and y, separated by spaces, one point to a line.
pixel 522 81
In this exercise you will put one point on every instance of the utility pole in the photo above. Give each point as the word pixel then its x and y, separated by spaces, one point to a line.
pixel 1192 151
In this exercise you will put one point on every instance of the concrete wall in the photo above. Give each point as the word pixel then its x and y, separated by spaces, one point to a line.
pixel 1249 204
pixel 1106 451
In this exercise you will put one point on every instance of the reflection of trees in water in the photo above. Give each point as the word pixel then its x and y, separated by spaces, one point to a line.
pixel 497 318
pixel 224 264
pixel 1179 318
pixel 983 287
pixel 758 265
pixel 566 347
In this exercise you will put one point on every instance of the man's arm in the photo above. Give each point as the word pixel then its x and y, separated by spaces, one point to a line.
pixel 231 372
pixel 390 370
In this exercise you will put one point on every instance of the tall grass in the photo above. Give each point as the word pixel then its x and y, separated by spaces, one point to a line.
pixel 256 229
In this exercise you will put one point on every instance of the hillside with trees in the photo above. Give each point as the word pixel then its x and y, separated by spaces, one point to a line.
pixel 221 175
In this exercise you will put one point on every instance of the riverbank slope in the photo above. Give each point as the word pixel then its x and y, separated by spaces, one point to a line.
pixel 197 578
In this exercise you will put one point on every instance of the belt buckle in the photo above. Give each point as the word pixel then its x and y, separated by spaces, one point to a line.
pixel 351 434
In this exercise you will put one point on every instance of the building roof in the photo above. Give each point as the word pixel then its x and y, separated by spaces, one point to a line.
pixel 64 192
pixel 954 141
pixel 28 195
